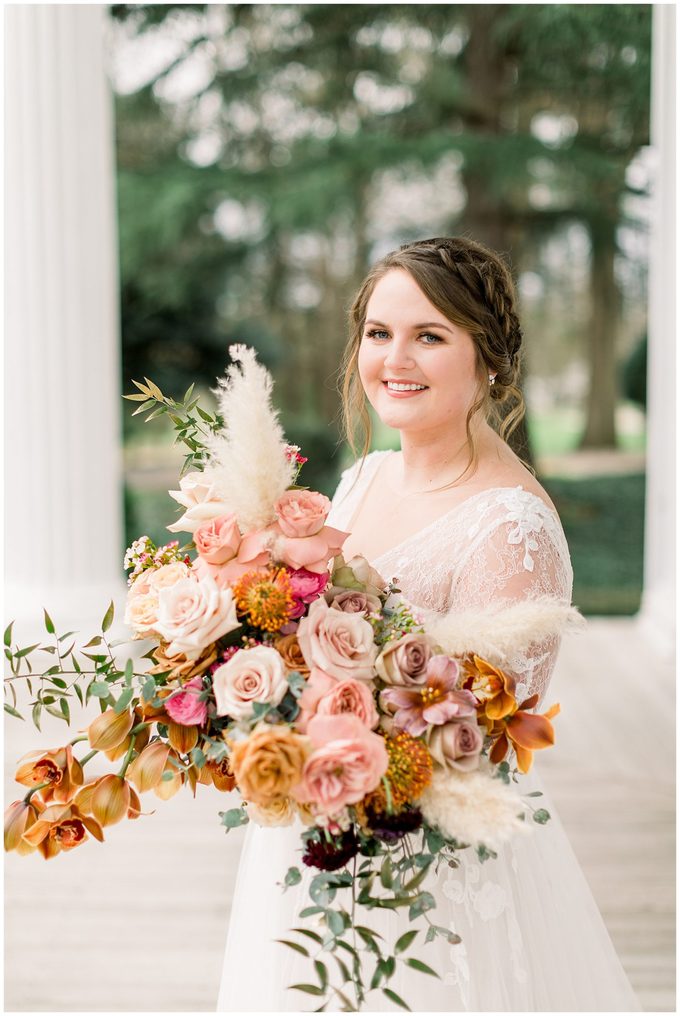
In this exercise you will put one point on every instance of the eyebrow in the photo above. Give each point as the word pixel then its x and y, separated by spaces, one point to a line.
pixel 426 324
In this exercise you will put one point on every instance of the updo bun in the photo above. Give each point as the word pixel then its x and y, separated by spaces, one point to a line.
pixel 473 288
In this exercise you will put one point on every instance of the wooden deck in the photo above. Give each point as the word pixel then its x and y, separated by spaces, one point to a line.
pixel 139 924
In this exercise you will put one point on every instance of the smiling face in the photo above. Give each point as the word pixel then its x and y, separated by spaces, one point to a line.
pixel 406 341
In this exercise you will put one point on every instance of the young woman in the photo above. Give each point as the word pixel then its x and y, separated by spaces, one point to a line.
pixel 459 522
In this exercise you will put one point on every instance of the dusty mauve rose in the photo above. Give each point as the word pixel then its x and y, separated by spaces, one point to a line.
pixel 193 613
pixel 185 707
pixel 324 696
pixel 202 501
pixel 268 763
pixel 251 675
pixel 302 512
pixel 347 761
pixel 404 661
pixel 288 647
pixel 352 601
pixel 338 643
pixel 456 745
pixel 217 541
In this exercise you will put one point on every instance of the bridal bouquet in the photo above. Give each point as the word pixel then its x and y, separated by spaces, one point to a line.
pixel 305 682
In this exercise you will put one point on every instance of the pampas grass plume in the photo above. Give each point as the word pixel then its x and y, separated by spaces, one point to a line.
pixel 248 462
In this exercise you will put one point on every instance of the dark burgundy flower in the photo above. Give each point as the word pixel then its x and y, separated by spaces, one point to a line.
pixel 390 828
pixel 331 855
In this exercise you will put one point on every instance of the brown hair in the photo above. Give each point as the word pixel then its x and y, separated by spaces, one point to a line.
pixel 473 288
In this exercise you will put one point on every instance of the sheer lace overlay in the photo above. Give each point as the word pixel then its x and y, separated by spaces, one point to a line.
pixel 532 936
pixel 502 545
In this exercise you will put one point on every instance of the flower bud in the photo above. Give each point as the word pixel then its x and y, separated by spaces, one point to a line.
pixel 182 738
pixel 19 817
pixel 110 799
pixel 147 769
pixel 141 740
pixel 109 729
pixel 165 789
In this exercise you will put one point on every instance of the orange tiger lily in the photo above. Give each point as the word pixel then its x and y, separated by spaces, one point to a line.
pixel 492 687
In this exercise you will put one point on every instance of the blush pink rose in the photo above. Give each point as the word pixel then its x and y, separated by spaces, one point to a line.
pixel 324 696
pixel 251 675
pixel 193 613
pixel 302 512
pixel 218 540
pixel 347 761
pixel 341 644
pixel 310 552
pixel 202 500
pixel 185 707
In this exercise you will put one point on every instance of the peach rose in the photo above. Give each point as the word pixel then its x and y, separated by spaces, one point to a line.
pixel 202 500
pixel 251 675
pixel 288 648
pixel 302 512
pixel 324 696
pixel 268 763
pixel 404 661
pixel 218 540
pixel 341 644
pixel 310 552
pixel 192 614
pixel 279 812
pixel 141 609
pixel 167 575
pixel 347 762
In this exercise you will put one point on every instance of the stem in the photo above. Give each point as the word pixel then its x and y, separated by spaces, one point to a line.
pixel 34 790
pixel 128 757
pixel 357 990
pixel 83 761
pixel 75 740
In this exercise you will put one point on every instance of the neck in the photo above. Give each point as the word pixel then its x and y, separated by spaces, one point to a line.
pixel 431 460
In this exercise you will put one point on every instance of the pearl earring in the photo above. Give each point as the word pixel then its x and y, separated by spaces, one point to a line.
pixel 492 379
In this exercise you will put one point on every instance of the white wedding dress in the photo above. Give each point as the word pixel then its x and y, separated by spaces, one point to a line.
pixel 532 936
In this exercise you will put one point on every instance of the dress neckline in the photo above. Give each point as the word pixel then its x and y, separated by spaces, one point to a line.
pixel 380 456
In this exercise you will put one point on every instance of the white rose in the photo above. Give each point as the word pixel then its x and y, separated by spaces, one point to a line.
pixel 193 613
pixel 168 574
pixel 141 611
pixel 339 643
pixel 251 675
pixel 203 501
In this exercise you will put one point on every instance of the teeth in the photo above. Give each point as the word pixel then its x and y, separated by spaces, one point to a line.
pixel 405 388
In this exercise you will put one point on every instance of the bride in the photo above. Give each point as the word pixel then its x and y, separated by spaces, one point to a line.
pixel 460 523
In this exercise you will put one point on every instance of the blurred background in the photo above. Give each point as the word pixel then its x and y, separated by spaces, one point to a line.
pixel 267 155
pixel 182 177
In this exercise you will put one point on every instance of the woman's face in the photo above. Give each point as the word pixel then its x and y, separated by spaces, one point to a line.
pixel 407 341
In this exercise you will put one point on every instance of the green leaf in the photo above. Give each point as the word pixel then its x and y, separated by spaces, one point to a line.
pixel 343 968
pixel 8 633
pixel 77 690
pixel 49 624
pixel 234 817
pixel 321 973
pixel 35 715
pixel 149 689
pixel 386 873
pixel 129 671
pixel 310 934
pixel 99 688
pixel 107 620
pixel 12 711
pixel 335 922
pixel 65 710
pixel 309 989
pixel 541 816
pixel 124 701
pixel 198 758
pixel 425 901
pixel 293 876
pixel 419 965
pixel 24 652
pixel 393 997
pixel 293 945
pixel 188 393
pixel 404 942
pixel 367 937
pixel 417 880
pixel 311 911
pixel 96 640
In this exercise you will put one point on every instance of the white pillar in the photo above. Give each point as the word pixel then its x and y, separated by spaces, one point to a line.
pixel 657 612
pixel 62 394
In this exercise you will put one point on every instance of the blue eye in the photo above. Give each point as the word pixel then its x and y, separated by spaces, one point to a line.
pixel 375 332
pixel 379 333
pixel 429 335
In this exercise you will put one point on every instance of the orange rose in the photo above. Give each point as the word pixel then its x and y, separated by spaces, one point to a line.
pixel 269 763
pixel 289 650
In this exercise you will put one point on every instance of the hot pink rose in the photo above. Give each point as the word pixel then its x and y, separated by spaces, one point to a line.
pixel 218 540
pixel 324 696
pixel 348 760
pixel 185 706
pixel 340 644
pixel 307 585
pixel 302 512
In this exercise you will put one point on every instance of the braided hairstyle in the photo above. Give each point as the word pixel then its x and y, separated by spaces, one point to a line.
pixel 473 288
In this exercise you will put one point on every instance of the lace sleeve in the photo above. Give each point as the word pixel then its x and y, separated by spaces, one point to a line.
pixel 516 554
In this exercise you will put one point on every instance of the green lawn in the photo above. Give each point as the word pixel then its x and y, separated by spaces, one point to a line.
pixel 603 520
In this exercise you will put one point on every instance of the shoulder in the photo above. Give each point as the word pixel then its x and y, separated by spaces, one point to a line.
pixel 362 466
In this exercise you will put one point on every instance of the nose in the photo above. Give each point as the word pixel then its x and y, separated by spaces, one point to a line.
pixel 398 354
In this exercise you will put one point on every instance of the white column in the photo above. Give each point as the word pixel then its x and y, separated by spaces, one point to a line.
pixel 657 612
pixel 62 392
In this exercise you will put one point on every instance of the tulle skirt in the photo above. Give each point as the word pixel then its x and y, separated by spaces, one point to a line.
pixel 533 938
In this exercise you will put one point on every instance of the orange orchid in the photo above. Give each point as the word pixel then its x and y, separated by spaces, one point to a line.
pixel 168 787
pixel 146 772
pixel 110 729
pixel 61 827
pixel 141 739
pixel 527 732
pixel 492 687
pixel 108 800
pixel 182 738
pixel 56 767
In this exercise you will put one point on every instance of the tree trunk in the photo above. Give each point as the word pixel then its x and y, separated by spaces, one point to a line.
pixel 600 428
